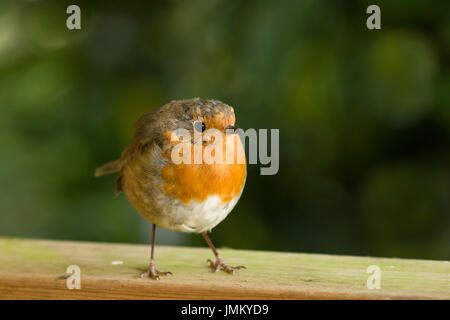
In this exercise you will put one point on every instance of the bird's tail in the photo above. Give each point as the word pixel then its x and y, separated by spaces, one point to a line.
pixel 108 168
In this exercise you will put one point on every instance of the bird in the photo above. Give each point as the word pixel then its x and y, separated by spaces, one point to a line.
pixel 186 197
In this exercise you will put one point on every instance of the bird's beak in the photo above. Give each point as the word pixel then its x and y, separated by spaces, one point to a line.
pixel 230 129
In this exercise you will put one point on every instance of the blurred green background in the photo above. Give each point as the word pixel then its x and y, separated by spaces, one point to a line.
pixel 364 117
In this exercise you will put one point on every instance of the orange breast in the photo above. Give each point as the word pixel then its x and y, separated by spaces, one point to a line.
pixel 197 182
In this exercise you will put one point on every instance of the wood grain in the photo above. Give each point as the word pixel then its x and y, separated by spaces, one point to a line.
pixel 35 269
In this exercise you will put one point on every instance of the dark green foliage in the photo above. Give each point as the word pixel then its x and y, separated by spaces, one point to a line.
pixel 364 117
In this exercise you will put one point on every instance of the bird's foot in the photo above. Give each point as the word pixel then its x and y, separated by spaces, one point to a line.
pixel 219 264
pixel 153 272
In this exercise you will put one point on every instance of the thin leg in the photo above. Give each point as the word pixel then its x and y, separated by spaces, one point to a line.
pixel 219 264
pixel 153 271
pixel 210 244
pixel 152 250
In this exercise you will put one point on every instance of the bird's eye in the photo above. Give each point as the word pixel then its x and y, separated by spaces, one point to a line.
pixel 199 126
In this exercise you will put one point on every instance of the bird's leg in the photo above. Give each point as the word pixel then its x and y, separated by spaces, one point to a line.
pixel 219 264
pixel 153 271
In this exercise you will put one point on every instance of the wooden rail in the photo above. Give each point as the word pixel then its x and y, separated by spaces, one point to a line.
pixel 36 269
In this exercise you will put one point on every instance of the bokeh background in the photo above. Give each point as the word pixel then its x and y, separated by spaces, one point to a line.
pixel 364 117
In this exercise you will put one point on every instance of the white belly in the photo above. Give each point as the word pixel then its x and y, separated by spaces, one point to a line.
pixel 196 216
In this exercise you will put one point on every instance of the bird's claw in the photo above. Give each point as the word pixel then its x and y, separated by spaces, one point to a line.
pixel 219 264
pixel 153 272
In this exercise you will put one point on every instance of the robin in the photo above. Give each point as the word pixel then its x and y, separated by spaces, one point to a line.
pixel 187 197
